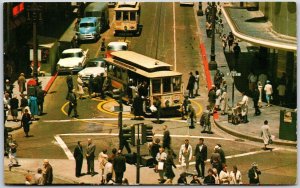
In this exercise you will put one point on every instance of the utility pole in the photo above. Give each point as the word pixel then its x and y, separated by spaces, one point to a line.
pixel 213 64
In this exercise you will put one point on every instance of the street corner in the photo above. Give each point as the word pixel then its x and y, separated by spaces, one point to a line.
pixel 111 107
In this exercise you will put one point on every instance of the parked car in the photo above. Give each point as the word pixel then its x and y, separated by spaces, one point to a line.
pixel 72 60
pixel 93 66
pixel 114 47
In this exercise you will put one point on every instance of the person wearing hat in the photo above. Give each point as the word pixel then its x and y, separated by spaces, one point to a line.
pixel 212 97
pixel 185 155
pixel 21 83
pixel 253 174
pixel 47 172
pixel 8 87
pixel 269 91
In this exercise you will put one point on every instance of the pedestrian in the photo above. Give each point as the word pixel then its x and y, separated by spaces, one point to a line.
pixel 14 105
pixel 91 85
pixel 157 104
pixel 218 78
pixel 263 79
pixel 209 179
pixel 224 175
pixel 113 154
pixel 80 91
pixel 166 138
pixel 236 51
pixel 24 103
pixel 161 158
pixel 230 39
pixel 224 42
pixel 25 122
pixel 235 176
pixel 185 155
pixel 72 103
pixel 255 102
pixel 90 156
pixel 253 174
pixel 190 85
pixel 21 83
pixel 40 99
pixel 260 89
pixel 101 83
pixel 119 165
pixel 201 156
pixel 47 173
pixel 12 152
pixel 265 134
pixel 169 163
pixel 269 91
pixel 195 181
pixel 154 149
pixel 138 107
pixel 281 93
pixel 78 155
pixel 205 120
pixel 185 104
pixel 218 99
pixel 192 118
pixel 38 177
pixel 222 154
pixel 28 179
pixel 244 108
pixel 252 78
pixel 197 83
pixel 216 176
pixel 182 179
pixel 102 159
pixel 223 102
pixel 130 88
pixel 70 85
pixel 33 106
pixel 108 169
pixel 212 98
pixel 6 105
pixel 215 159
pixel 8 87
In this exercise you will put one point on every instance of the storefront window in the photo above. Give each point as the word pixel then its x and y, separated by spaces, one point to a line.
pixel 156 86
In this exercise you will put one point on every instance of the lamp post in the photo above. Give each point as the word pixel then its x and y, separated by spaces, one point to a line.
pixel 200 11
pixel 213 64
pixel 120 121
pixel 34 15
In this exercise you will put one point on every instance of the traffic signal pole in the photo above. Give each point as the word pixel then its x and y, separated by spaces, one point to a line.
pixel 138 156
pixel 120 123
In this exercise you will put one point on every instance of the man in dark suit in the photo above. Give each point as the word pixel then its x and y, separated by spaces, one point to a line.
pixel 119 165
pixel 253 174
pixel 90 156
pixel 78 155
pixel 201 156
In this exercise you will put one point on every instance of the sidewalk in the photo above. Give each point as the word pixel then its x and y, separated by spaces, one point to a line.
pixel 46 82
pixel 251 130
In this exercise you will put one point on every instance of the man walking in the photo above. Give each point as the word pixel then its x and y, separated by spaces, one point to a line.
pixel 119 165
pixel 269 91
pixel 21 83
pixel 90 156
pixel 255 102
pixel 47 173
pixel 166 138
pixel 236 51
pixel 72 103
pixel 185 155
pixel 212 98
pixel 191 84
pixel 201 157
pixel 12 152
pixel 205 119
pixel 78 155
pixel 40 99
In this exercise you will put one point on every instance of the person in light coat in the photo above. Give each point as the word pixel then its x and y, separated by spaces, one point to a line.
pixel 185 155
pixel 161 157
pixel 224 100
pixel 260 89
pixel 218 98
pixel 80 87
pixel 235 176
pixel 224 175
pixel 265 134
pixel 244 108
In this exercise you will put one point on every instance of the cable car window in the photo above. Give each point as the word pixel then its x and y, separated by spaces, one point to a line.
pixel 156 86
pixel 166 85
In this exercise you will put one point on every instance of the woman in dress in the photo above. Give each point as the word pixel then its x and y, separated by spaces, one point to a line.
pixel 260 89
pixel 80 87
pixel 33 106
pixel 169 163
pixel 25 122
pixel 197 83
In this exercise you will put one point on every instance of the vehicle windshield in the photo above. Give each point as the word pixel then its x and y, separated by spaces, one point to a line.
pixel 76 54
pixel 86 25
pixel 95 64
pixel 116 47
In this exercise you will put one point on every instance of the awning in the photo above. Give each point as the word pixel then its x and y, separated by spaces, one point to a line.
pixel 251 26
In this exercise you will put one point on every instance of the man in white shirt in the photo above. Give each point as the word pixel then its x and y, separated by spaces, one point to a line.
pixel 244 108
pixel 269 91
pixel 252 81
pixel 185 155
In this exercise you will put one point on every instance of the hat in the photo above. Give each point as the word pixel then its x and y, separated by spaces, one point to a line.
pixel 216 147
pixel 7 80
pixel 254 164
pixel 213 86
pixel 46 161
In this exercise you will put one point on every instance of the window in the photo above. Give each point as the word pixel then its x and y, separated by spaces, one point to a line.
pixel 156 86
pixel 87 25
pixel 125 16
pixel 166 85
pixel 132 16
pixel 118 15
pixel 176 84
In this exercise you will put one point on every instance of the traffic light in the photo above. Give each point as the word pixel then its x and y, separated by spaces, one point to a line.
pixel 147 134
pixel 128 134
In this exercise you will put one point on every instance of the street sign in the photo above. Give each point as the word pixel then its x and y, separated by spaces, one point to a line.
pixel 39 55
pixel 234 73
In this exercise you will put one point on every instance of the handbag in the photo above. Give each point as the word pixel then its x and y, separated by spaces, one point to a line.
pixel 160 165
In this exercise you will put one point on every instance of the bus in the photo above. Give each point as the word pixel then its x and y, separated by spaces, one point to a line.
pixel 127 17
pixel 128 71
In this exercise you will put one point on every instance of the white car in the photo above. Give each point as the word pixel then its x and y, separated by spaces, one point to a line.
pixel 93 67
pixel 72 60
pixel 114 47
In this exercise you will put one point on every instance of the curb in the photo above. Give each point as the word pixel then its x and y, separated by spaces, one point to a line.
pixel 49 84
pixel 10 129
pixel 253 138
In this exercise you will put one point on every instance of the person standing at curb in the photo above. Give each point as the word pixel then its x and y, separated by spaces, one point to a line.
pixel 21 83
pixel 244 108
pixel 265 134
pixel 47 173
pixel 119 165
pixel 40 99
pixel 255 102
pixel 72 103
pixel 185 155
pixel 269 91
pixel 78 155
pixel 201 156
pixel 253 174
pixel 197 83
pixel 90 156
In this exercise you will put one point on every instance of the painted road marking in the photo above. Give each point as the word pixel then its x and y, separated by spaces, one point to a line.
pixel 64 147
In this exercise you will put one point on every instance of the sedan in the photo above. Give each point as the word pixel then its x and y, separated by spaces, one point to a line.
pixel 93 67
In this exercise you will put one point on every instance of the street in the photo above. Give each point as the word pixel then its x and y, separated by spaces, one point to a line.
pixel 169 33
